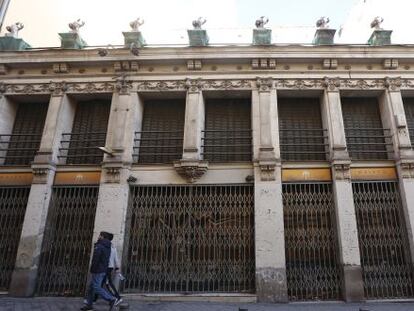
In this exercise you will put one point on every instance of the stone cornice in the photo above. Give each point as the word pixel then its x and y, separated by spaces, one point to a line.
pixel 125 85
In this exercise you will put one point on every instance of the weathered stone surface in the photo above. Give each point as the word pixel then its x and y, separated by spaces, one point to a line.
pixel 354 286
pixel 271 284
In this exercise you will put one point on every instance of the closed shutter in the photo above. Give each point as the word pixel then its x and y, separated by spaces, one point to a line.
pixel 88 132
pixel 161 138
pixel 228 134
pixel 409 114
pixel 27 133
pixel 365 136
pixel 302 136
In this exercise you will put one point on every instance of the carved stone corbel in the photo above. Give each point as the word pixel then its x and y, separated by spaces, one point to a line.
pixel 122 85
pixel 341 171
pixel 58 88
pixel 332 84
pixel 407 170
pixel 193 85
pixel 191 170
pixel 264 84
pixel 112 171
pixel 41 172
pixel 268 169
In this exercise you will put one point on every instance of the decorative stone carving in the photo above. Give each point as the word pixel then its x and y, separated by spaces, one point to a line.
pixel 376 23
pixel 194 64
pixel 261 22
pixel 268 170
pixel 76 25
pixel 112 170
pixel 135 24
pixel 14 30
pixel 60 68
pixel 122 85
pixel 58 88
pixel 390 63
pixel 264 63
pixel 300 84
pixel 407 169
pixel 40 172
pixel 126 66
pixel 91 87
pixel 330 63
pixel 393 84
pixel 342 171
pixel 193 86
pixel 191 170
pixel 362 84
pixel 264 84
pixel 199 22
pixel 322 22
pixel 332 84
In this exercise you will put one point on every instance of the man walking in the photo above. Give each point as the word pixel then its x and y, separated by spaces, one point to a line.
pixel 113 266
pixel 99 266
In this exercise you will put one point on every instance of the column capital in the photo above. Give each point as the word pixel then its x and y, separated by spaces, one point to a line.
pixel 58 88
pixel 331 84
pixel 193 85
pixel 264 84
pixel 341 170
pixel 392 84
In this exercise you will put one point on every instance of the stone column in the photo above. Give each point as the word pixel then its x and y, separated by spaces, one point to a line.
pixel 393 117
pixel 8 111
pixel 191 166
pixel 124 120
pixel 271 283
pixel 347 231
pixel 58 120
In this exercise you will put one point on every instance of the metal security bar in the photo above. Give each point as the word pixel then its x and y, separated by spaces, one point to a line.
pixel 13 201
pixel 312 263
pixel 82 148
pixel 228 135
pixel 369 143
pixel 161 137
pixel 20 147
pixel 304 144
pixel 158 146
pixel 365 136
pixel 227 146
pixel 383 244
pixel 66 248
pixel 302 137
pixel 88 133
pixel 197 238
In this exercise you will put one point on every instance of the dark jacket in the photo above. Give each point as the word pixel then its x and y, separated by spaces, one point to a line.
pixel 100 257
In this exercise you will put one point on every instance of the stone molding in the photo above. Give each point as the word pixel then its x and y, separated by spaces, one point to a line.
pixel 191 170
pixel 268 169
pixel 41 172
pixel 112 171
pixel 407 169
pixel 60 68
pixel 341 171
pixel 262 83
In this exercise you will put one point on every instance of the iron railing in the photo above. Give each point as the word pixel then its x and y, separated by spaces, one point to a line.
pixel 13 201
pixel 312 262
pixel 227 145
pixel 190 238
pixel 411 134
pixel 157 146
pixel 18 149
pixel 303 144
pixel 81 148
pixel 383 242
pixel 66 248
pixel 369 143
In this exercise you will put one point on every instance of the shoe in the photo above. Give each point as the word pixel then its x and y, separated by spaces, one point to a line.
pixel 86 308
pixel 119 300
pixel 114 303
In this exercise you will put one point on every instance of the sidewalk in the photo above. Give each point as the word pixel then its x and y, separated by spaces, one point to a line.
pixel 71 304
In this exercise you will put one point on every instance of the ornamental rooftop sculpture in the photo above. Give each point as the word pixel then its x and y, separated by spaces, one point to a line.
pixel 135 24
pixel 376 23
pixel 74 26
pixel 199 22
pixel 14 30
pixel 261 22
pixel 322 22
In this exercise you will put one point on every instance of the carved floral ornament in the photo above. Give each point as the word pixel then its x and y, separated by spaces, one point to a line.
pixel 123 85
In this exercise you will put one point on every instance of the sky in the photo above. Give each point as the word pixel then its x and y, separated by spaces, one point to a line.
pixel 228 21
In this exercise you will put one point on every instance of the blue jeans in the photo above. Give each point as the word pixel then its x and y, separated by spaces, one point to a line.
pixel 95 287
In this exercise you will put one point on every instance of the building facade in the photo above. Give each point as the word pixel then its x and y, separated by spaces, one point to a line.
pixel 276 173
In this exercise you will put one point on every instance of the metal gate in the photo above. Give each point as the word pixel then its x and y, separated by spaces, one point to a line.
pixel 383 244
pixel 66 248
pixel 13 201
pixel 312 263
pixel 197 238
pixel 409 114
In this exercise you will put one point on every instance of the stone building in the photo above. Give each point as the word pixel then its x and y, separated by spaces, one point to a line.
pixel 270 172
